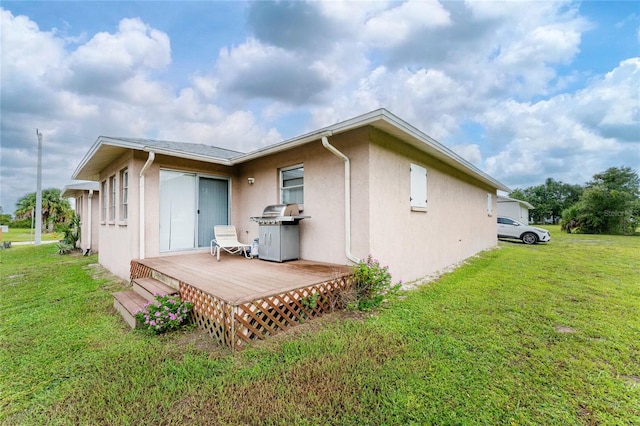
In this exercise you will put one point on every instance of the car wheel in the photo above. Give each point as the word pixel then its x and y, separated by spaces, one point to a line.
pixel 529 238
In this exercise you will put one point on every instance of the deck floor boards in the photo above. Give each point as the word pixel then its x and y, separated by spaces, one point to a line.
pixel 236 279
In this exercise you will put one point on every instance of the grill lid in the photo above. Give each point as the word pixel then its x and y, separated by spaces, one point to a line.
pixel 279 214
pixel 280 210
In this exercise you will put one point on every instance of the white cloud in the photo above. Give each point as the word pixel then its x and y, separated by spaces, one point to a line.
pixel 401 21
pixel 470 152
pixel 134 46
pixel 256 70
pixel 570 136
pixel 20 35
pixel 110 85
pixel 500 69
pixel 109 64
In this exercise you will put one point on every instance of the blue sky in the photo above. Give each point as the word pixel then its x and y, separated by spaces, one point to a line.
pixel 524 90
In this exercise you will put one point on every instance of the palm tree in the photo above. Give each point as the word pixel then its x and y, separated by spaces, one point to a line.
pixel 55 209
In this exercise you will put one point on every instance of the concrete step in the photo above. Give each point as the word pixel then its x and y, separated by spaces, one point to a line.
pixel 147 287
pixel 127 303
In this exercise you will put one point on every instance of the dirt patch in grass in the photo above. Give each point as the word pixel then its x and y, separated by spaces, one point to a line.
pixel 111 282
pixel 633 380
pixel 311 326
pixel 587 416
pixel 10 277
pixel 431 277
pixel 200 340
pixel 564 329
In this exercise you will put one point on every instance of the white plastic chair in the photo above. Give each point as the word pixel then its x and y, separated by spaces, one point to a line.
pixel 226 238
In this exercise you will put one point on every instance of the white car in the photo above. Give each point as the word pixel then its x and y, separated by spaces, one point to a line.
pixel 511 228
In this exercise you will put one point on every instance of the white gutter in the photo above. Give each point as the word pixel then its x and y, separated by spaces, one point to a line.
pixel 152 156
pixel 347 196
pixel 89 214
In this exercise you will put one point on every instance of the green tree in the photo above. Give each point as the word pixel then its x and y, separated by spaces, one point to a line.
pixel 55 209
pixel 623 179
pixel 549 199
pixel 5 219
pixel 610 204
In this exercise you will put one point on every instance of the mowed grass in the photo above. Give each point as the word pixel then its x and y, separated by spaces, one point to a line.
pixel 544 334
pixel 21 234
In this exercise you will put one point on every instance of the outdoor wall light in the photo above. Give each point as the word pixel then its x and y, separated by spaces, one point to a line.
pixel 251 180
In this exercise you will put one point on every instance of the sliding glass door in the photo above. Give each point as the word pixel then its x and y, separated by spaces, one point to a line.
pixel 177 210
pixel 190 206
pixel 213 207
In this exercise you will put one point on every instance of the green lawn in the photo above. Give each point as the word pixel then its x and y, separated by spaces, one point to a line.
pixel 21 234
pixel 544 334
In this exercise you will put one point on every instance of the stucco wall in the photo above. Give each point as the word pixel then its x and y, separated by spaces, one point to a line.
pixel 86 223
pixel 89 226
pixel 152 192
pixel 95 222
pixel 414 244
pixel 322 237
pixel 118 238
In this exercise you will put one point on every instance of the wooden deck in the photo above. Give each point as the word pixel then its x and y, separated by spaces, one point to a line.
pixel 237 299
pixel 237 280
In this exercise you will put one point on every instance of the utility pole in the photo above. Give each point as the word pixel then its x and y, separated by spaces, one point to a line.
pixel 39 192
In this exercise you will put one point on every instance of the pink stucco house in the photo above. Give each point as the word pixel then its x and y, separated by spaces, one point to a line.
pixel 371 184
pixel 87 207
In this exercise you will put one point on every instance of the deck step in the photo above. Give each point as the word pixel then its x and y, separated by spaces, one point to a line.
pixel 127 303
pixel 165 279
pixel 147 287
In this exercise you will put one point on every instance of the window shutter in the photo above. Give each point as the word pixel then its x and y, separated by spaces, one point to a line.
pixel 418 186
pixel 489 204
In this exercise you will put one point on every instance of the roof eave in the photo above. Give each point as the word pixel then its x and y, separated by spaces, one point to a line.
pixel 379 115
pixel 446 154
pixel 187 156
pixel 119 143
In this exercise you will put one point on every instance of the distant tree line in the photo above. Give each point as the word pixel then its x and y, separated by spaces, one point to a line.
pixel 608 204
pixel 56 211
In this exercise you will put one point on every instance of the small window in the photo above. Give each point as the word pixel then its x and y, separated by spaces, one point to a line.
pixel 292 185
pixel 124 194
pixel 418 196
pixel 112 197
pixel 490 204
pixel 103 189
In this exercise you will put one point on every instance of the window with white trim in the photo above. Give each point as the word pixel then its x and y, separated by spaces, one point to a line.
pixel 105 194
pixel 112 197
pixel 292 185
pixel 418 196
pixel 124 194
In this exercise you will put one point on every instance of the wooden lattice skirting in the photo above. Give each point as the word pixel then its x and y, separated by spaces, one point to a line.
pixel 236 325
pixel 138 270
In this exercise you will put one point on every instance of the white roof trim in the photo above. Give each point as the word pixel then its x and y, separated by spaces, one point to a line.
pixel 504 198
pixel 381 115
pixel 369 119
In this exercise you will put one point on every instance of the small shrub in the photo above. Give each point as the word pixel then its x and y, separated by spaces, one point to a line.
pixel 166 313
pixel 372 282
pixel 65 248
pixel 21 223
pixel 71 231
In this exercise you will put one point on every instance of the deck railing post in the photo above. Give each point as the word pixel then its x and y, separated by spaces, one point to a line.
pixel 233 327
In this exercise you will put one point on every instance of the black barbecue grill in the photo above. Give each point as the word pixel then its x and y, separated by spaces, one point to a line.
pixel 279 233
